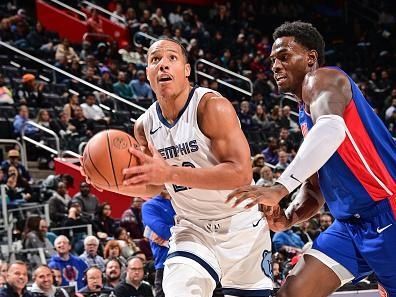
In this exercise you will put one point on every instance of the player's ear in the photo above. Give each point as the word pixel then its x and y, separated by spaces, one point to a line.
pixel 187 70
pixel 147 76
pixel 312 57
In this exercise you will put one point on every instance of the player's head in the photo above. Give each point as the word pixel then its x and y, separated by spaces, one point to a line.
pixel 167 68
pixel 298 49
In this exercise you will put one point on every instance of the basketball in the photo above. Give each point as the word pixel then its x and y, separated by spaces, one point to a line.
pixel 104 158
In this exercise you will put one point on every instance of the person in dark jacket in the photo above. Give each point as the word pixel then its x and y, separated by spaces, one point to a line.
pixel 17 278
pixel 133 285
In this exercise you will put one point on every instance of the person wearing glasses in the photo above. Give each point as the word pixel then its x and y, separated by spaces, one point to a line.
pixel 133 285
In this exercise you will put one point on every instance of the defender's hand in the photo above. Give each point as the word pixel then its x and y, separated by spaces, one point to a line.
pixel 269 196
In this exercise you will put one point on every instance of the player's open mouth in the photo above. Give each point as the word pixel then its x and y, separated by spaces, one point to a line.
pixel 164 78
pixel 280 78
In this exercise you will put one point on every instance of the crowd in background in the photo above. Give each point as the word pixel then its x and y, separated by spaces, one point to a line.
pixel 235 35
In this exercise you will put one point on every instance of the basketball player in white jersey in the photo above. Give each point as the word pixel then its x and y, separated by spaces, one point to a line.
pixel 192 142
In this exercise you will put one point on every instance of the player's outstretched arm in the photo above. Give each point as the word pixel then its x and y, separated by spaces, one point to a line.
pixel 328 93
pixel 217 119
pixel 305 205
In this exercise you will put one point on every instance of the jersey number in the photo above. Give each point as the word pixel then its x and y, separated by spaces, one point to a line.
pixel 177 188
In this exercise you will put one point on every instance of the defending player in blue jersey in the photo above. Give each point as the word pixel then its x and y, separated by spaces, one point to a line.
pixel 348 159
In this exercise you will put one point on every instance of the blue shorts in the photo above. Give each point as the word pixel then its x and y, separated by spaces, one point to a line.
pixel 364 244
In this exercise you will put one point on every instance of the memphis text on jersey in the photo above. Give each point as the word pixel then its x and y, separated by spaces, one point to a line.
pixel 181 149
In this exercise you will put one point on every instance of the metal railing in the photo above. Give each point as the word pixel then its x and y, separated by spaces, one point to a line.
pixel 71 228
pixel 8 217
pixel 39 144
pixel 220 81
pixel 203 61
pixel 101 36
pixel 115 96
pixel 69 153
pixel 72 9
pixel 22 150
pixel 145 35
pixel 81 147
pixel 105 11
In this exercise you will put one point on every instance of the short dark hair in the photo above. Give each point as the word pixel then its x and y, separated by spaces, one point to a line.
pixel 305 34
pixel 184 51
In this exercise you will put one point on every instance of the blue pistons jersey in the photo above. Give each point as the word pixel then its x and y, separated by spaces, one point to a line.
pixel 358 183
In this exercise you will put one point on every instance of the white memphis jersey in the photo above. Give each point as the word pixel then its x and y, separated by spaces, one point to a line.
pixel 183 144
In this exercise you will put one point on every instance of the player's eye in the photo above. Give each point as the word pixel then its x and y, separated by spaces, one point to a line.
pixel 173 58
pixel 154 59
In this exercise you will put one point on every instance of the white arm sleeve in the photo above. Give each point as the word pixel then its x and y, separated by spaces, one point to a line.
pixel 321 142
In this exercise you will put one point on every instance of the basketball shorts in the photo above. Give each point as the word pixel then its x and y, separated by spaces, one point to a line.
pixel 235 251
pixel 363 244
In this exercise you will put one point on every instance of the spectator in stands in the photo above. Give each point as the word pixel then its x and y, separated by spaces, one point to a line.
pixel 57 275
pixel 131 219
pixel 90 255
pixel 106 81
pixel 40 39
pixel 84 127
pixel 175 16
pixel 158 15
pixel 51 182
pixel 43 285
pixel 3 281
pixel 266 177
pixel 277 275
pixel 287 241
pixel 158 218
pixel 260 119
pixel 118 16
pixel 133 285
pixel 113 272
pixel 245 116
pixel 62 127
pixel 178 36
pixel 271 152
pixel 43 118
pixel 128 247
pixel 72 267
pixel 90 76
pixel 392 108
pixel 283 160
pixel 95 284
pixel 17 278
pixel 74 218
pixel 17 188
pixel 121 88
pixel 261 86
pixel 112 250
pixel 31 92
pixel 94 23
pixel 92 111
pixel 286 121
pixel 3 268
pixel 65 51
pixel 34 238
pixel 5 93
pixel 325 220
pixel 103 223
pixel 58 205
pixel 141 88
pixel 70 107
pixel 88 201
pixel 14 160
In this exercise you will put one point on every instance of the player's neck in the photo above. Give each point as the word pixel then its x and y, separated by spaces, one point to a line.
pixel 172 106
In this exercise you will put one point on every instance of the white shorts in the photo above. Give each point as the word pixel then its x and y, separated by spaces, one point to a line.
pixel 235 251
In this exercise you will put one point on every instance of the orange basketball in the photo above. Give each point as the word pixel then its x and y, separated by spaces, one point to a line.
pixel 105 156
